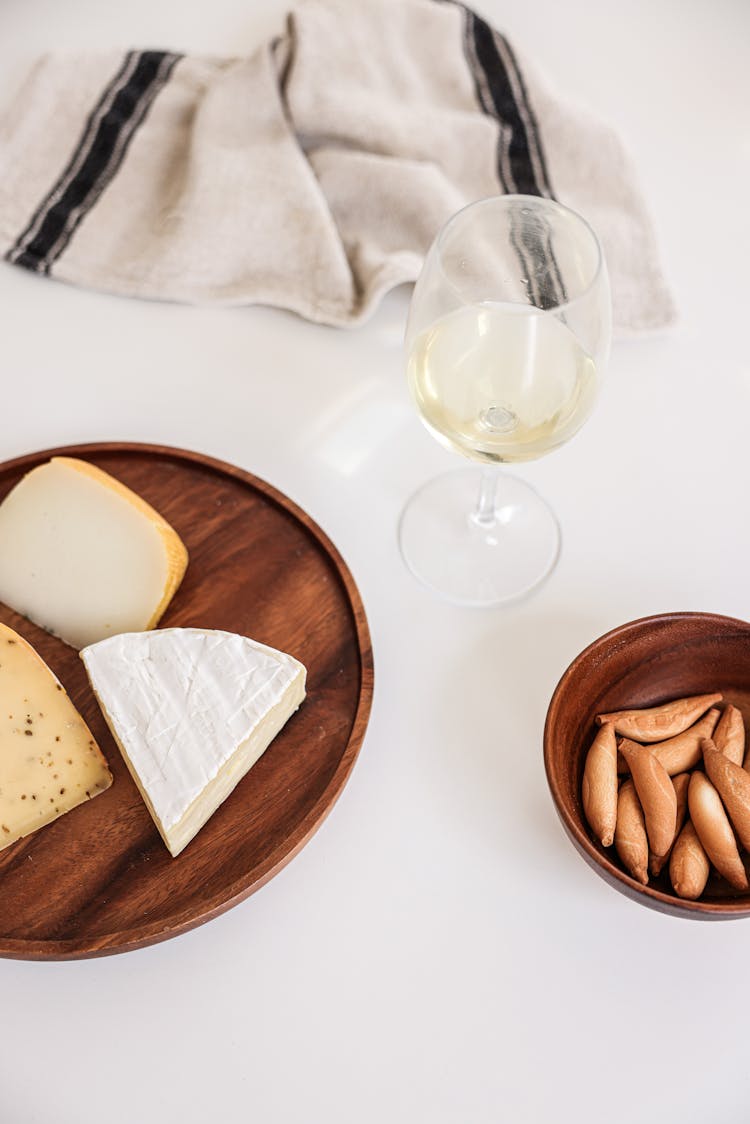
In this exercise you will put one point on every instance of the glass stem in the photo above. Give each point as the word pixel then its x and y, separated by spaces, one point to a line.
pixel 484 513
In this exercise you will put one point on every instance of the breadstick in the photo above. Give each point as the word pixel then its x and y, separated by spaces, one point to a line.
pixel 680 784
pixel 714 830
pixel 683 751
pixel 729 735
pixel 656 794
pixel 689 866
pixel 733 786
pixel 659 722
pixel 599 787
pixel 631 842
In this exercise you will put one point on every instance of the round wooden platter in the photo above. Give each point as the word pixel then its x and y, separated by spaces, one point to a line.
pixel 99 880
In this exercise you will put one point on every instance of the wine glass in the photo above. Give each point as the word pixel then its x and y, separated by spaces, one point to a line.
pixel 507 341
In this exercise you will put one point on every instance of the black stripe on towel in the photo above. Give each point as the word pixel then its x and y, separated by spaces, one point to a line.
pixel 98 156
pixel 521 164
pixel 31 230
pixel 532 244
pixel 511 108
pixel 525 134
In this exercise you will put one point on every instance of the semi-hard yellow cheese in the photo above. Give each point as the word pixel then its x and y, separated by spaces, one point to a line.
pixel 83 556
pixel 49 760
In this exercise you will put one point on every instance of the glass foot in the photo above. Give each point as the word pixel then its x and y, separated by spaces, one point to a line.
pixel 478 561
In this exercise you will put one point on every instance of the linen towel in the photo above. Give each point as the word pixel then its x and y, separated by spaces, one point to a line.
pixel 312 174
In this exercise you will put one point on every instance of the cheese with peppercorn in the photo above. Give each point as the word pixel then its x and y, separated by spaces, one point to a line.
pixel 49 760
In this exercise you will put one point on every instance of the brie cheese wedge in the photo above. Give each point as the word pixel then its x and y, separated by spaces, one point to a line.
pixel 192 710
pixel 83 556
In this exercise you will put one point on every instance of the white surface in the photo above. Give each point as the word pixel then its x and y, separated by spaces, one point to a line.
pixel 438 952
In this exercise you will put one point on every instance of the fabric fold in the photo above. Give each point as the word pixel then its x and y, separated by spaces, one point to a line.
pixel 311 175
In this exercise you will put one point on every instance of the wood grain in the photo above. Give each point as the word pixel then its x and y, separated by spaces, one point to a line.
pixel 100 880
pixel 641 664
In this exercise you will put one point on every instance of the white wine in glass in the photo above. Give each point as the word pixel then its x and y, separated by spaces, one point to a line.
pixel 507 342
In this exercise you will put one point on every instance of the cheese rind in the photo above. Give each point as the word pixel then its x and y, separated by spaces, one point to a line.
pixel 84 556
pixel 49 760
pixel 191 710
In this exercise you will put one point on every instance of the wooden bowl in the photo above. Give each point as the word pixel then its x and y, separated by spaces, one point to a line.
pixel 644 663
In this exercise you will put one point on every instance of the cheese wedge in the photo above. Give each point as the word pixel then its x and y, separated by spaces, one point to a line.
pixel 83 556
pixel 49 761
pixel 191 710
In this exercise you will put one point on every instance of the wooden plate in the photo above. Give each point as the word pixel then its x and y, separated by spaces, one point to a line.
pixel 99 880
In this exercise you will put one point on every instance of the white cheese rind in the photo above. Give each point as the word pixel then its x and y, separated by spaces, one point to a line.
pixel 83 556
pixel 192 710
